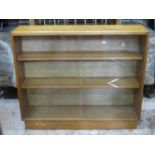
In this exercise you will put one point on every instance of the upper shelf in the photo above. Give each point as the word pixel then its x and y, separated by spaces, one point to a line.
pixel 39 56
pixel 80 30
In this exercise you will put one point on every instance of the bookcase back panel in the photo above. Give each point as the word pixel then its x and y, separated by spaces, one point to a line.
pixel 81 43
pixel 109 96
pixel 81 69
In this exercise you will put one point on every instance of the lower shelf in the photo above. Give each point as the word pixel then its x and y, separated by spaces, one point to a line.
pixel 96 82
pixel 80 117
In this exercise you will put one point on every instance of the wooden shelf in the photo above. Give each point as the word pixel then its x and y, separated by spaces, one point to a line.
pixel 80 113
pixel 88 30
pixel 80 83
pixel 77 117
pixel 39 56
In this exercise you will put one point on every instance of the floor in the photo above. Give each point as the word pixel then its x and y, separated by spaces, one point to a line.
pixel 11 123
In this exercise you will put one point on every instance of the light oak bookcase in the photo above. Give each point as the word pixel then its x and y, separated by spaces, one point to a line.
pixel 80 77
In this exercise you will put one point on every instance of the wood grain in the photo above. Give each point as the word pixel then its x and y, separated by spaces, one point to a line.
pixel 144 42
pixel 116 124
pixel 80 83
pixel 43 56
pixel 20 73
pixel 80 117
pixel 80 30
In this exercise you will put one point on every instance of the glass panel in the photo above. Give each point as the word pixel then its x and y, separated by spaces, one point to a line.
pixel 81 69
pixel 111 96
pixel 81 43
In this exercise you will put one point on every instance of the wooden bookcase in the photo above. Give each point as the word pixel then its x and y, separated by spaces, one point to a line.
pixel 80 77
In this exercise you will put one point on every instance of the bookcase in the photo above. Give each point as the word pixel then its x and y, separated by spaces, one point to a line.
pixel 80 77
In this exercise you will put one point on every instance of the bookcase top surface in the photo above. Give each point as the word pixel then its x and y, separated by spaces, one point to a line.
pixel 79 30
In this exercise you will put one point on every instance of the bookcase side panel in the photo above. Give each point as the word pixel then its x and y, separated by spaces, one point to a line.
pixel 141 75
pixel 20 73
